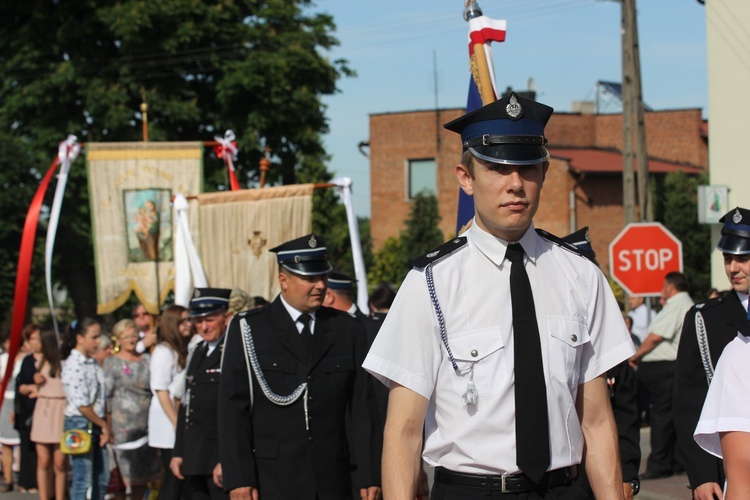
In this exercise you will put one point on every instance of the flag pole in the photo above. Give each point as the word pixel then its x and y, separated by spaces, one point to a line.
pixel 479 67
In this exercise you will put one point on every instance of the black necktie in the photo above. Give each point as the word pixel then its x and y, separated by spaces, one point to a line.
pixel 306 332
pixel 532 428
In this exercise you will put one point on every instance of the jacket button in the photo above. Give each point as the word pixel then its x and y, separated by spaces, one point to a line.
pixel 574 337
pixel 310 398
pixel 474 353
pixel 309 438
pixel 275 365
pixel 309 377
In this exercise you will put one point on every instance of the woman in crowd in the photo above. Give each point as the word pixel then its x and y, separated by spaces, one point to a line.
pixel 167 360
pixel 128 398
pixel 83 381
pixel 26 397
pixel 48 420
pixel 8 434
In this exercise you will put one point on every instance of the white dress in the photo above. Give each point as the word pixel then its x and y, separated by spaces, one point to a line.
pixel 164 367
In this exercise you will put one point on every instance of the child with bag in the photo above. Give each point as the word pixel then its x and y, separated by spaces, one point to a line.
pixel 86 430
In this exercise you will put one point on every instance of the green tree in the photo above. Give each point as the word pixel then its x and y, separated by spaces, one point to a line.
pixel 676 206
pixel 422 234
pixel 83 67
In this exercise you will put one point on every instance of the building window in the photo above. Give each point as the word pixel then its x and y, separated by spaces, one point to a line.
pixel 422 177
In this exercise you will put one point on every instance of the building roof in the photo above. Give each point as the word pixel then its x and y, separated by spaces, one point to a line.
pixel 606 161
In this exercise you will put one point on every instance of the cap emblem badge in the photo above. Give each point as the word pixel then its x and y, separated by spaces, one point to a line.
pixel 313 242
pixel 737 217
pixel 513 109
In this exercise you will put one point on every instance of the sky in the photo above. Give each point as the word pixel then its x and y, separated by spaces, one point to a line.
pixel 402 50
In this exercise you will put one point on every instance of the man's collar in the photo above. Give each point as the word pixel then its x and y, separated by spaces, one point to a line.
pixel 494 248
pixel 293 312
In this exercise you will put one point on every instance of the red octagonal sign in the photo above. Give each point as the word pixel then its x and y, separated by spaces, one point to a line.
pixel 641 255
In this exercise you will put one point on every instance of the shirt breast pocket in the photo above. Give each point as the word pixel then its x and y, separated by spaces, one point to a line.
pixel 479 354
pixel 280 373
pixel 338 372
pixel 568 336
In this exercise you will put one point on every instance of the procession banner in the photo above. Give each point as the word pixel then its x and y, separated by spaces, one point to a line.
pixel 130 189
pixel 238 228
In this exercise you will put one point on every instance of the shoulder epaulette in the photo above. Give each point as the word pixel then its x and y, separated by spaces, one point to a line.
pixel 564 244
pixel 251 312
pixel 440 252
pixel 709 304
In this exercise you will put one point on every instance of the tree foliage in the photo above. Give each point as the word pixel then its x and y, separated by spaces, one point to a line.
pixel 422 234
pixel 676 206
pixel 84 67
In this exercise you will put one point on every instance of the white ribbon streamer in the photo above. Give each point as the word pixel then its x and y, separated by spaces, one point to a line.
pixel 67 152
pixel 344 184
pixel 187 264
pixel 228 147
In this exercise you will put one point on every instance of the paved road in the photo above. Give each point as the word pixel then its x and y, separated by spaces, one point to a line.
pixel 671 488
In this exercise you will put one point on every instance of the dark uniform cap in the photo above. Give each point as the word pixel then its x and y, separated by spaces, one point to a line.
pixel 735 234
pixel 340 281
pixel 208 301
pixel 582 241
pixel 306 256
pixel 509 130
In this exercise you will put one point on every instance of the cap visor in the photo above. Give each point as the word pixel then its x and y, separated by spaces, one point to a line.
pixel 511 154
pixel 197 313
pixel 734 245
pixel 309 268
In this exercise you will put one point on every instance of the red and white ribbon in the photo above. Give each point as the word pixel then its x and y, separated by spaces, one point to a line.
pixel 227 150
pixel 67 152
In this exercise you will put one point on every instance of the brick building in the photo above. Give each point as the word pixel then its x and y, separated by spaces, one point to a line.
pixel 411 151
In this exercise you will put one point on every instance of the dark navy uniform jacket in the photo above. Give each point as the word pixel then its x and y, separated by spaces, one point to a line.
pixel 267 446
pixel 690 387
pixel 197 439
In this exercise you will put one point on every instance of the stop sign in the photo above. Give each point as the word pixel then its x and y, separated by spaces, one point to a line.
pixel 641 255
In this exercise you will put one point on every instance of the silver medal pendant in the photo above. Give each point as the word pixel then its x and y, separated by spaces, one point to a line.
pixel 471 395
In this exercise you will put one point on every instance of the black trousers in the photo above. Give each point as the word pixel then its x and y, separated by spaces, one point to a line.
pixel 563 492
pixel 27 462
pixel 204 488
pixel 658 379
pixel 171 488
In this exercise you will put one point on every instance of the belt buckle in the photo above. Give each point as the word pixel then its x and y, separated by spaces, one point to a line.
pixel 503 484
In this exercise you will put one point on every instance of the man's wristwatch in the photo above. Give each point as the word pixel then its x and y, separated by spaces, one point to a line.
pixel 636 485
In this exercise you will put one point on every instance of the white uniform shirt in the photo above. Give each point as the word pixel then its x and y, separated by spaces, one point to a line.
pixel 641 317
pixel 668 325
pixel 727 403
pixel 582 335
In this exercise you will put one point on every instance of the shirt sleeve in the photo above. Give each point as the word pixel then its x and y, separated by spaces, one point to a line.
pixel 161 365
pixel 407 348
pixel 609 340
pixel 728 398
pixel 77 391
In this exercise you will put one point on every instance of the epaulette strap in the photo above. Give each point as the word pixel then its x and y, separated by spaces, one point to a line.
pixel 560 242
pixel 439 253
pixel 250 312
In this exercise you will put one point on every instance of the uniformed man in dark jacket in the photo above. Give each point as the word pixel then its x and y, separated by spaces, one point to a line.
pixel 707 329
pixel 196 449
pixel 283 436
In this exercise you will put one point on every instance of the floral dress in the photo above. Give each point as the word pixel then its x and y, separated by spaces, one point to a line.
pixel 128 399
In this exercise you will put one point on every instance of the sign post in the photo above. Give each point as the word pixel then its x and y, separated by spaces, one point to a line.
pixel 641 255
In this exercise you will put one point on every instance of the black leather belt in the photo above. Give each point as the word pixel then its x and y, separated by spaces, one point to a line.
pixel 506 483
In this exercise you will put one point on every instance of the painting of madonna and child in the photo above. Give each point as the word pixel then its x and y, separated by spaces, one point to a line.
pixel 148 224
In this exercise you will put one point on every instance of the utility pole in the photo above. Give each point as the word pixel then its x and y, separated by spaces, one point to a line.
pixel 641 153
pixel 628 180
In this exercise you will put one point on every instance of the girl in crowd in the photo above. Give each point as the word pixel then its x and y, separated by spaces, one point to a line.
pixel 167 360
pixel 8 434
pixel 128 398
pixel 83 381
pixel 26 397
pixel 48 420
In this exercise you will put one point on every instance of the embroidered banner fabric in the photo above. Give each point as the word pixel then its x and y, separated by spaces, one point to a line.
pixel 130 186
pixel 238 228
